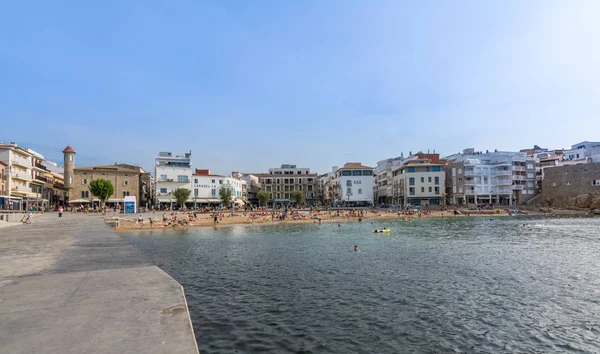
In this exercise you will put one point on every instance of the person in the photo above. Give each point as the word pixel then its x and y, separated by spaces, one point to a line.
pixel 29 216
pixel 151 222
pixel 60 211
pixel 356 248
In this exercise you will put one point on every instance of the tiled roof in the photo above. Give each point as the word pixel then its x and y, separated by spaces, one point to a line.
pixel 356 165
pixel 69 149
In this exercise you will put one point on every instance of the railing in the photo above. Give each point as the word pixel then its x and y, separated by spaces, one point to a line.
pixel 518 178
pixel 21 176
pixel 42 178
pixel 517 168
pixel 518 187
pixel 21 161
pixel 59 185
pixel 39 165
pixel 503 172
pixel 22 189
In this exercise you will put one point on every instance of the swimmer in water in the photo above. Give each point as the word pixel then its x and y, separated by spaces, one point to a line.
pixel 356 248
pixel 339 225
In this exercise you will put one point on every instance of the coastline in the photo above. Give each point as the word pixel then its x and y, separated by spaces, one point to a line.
pixel 206 220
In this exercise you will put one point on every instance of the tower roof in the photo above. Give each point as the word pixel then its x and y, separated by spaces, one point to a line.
pixel 69 149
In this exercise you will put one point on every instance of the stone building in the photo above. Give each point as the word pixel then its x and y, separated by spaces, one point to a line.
pixel 575 185
pixel 127 180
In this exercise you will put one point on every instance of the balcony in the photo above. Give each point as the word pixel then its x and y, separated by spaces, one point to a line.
pixel 503 172
pixel 517 168
pixel 518 178
pixel 503 182
pixel 21 176
pixel 40 166
pixel 518 187
pixel 22 189
pixel 19 161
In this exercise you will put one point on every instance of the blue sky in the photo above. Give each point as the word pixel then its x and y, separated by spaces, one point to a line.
pixel 248 85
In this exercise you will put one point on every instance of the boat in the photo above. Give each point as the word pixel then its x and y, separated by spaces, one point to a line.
pixel 376 231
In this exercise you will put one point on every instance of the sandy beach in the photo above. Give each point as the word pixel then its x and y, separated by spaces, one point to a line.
pixel 207 219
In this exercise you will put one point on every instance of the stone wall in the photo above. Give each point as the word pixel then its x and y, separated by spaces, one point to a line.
pixel 571 186
pixel 82 179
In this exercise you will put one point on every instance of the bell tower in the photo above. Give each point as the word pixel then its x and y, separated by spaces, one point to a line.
pixel 69 166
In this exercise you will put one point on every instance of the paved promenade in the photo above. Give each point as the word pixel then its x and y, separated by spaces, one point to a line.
pixel 72 285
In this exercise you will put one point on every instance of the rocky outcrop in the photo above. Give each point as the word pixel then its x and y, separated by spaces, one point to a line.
pixel 584 201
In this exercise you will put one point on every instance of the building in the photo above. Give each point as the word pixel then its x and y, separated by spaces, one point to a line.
pixel 572 185
pixel 282 181
pixel 207 187
pixel 420 180
pixel 127 180
pixel 172 172
pixel 252 186
pixel 498 177
pixel 328 187
pixel 54 186
pixel 19 176
pixel 352 185
pixel 3 182
pixel 585 152
pixel 384 176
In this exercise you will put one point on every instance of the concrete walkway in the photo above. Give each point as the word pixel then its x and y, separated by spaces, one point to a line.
pixel 72 285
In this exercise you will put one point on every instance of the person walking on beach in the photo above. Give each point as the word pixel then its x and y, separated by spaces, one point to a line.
pixel 60 211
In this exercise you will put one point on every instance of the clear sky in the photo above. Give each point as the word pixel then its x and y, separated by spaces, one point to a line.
pixel 248 85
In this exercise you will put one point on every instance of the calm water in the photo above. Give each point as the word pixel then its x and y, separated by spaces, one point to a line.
pixel 454 285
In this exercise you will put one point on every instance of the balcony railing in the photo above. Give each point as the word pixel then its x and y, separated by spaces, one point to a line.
pixel 22 189
pixel 503 173
pixel 42 178
pixel 517 168
pixel 518 187
pixel 519 178
pixel 21 161
pixel 40 166
pixel 23 176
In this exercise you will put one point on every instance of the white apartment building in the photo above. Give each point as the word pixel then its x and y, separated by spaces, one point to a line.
pixel 206 189
pixel 420 180
pixel 172 172
pixel 19 176
pixel 499 177
pixel 353 185
pixel 384 177
pixel 585 152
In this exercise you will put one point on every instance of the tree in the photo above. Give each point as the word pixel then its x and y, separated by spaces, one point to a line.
pixel 181 195
pixel 263 197
pixel 226 195
pixel 298 197
pixel 102 188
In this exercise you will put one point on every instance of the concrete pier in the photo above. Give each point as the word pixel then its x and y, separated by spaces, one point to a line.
pixel 71 285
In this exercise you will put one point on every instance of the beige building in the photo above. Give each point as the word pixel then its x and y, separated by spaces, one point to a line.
pixel 127 180
pixel 421 180
pixel 3 179
pixel 282 181
pixel 575 185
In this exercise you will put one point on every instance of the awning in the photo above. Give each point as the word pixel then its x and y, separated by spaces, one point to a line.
pixel 79 201
pixel 95 200
pixel 239 202
pixel 213 200
pixel 166 199
pixel 115 200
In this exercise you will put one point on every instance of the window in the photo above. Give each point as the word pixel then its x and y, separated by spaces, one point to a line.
pixel 299 172
pixel 310 188
pixel 71 180
pixel 125 183
pixel 429 179
pixel 437 180
pixel 278 188
pixel 300 187
pixel 268 188
pixel 429 189
pixel 349 191
pixel 84 180
pixel 196 180
pixel 285 181
pixel 163 190
pixel 596 182
pixel 286 195
pixel 163 177
pixel 213 192
pixel 356 173
pixel 422 189
pixel 220 181
pixel 437 190
pixel 195 192
pixel 360 191
pixel 436 169
pixel 182 179
pixel 427 169
pixel 411 190
pixel 85 194
pixel 346 173
pixel 299 180
pixel 348 183
pixel 213 181
pixel 422 179
pixel 70 157
pixel 567 183
pixel 367 173
pixel 411 169
pixel 125 194
pixel 411 181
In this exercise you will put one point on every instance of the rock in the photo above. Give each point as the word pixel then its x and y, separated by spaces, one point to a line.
pixel 582 200
pixel 594 202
